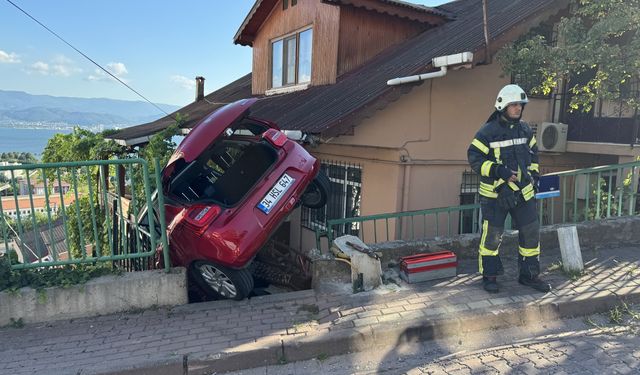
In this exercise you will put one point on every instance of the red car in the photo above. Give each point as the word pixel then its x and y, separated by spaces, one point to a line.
pixel 229 185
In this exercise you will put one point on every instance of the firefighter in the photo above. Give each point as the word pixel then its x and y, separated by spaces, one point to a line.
pixel 505 155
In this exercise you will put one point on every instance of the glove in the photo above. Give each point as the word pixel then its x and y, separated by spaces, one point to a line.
pixel 507 198
pixel 536 183
pixel 504 172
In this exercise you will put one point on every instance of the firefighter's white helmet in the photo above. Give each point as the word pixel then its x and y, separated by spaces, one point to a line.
pixel 510 94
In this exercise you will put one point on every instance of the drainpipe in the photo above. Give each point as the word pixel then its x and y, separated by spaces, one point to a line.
pixel 417 78
pixel 441 62
pixel 487 55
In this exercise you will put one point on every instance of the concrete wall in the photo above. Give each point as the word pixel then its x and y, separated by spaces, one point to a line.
pixel 104 295
pixel 622 231
pixel 597 235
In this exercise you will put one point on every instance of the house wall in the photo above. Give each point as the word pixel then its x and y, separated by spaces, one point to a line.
pixel 413 152
pixel 322 17
pixel 359 27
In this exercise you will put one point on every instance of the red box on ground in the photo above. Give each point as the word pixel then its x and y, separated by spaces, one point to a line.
pixel 428 266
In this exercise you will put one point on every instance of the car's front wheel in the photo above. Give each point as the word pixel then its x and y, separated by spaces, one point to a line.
pixel 317 192
pixel 221 282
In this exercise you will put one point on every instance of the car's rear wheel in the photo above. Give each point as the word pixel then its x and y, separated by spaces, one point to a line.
pixel 317 192
pixel 221 282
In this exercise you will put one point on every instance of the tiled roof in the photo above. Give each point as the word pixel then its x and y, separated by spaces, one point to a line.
pixel 334 109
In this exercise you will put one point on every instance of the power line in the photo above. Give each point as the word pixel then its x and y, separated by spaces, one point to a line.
pixel 88 58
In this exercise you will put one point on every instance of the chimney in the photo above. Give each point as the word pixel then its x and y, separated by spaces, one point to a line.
pixel 199 88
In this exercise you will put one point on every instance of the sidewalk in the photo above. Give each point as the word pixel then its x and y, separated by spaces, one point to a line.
pixel 227 335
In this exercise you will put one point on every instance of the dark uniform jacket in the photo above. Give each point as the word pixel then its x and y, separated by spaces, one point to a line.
pixel 501 146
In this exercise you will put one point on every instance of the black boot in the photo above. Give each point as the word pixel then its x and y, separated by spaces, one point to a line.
pixel 490 284
pixel 535 283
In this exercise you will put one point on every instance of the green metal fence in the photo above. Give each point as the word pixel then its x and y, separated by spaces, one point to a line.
pixel 585 195
pixel 593 193
pixel 428 223
pixel 88 212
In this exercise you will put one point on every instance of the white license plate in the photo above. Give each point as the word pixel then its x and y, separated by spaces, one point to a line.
pixel 276 193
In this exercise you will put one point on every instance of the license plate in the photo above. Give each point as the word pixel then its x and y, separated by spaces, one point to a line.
pixel 276 193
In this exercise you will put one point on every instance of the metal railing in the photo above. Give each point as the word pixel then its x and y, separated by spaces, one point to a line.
pixel 593 193
pixel 427 223
pixel 58 214
pixel 585 195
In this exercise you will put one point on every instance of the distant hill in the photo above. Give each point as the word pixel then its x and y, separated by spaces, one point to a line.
pixel 18 106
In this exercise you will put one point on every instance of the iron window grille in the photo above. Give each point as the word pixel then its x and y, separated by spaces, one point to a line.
pixel 343 200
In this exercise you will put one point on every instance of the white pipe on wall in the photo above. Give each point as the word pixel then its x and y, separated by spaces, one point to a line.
pixel 417 78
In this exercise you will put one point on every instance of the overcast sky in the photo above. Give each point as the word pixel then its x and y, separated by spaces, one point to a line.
pixel 156 46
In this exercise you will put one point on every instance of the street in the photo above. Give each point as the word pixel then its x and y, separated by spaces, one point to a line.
pixel 606 343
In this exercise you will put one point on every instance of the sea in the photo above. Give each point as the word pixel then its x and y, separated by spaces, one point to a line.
pixel 26 140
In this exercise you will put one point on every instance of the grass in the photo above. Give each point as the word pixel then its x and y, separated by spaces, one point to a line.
pixel 16 323
pixel 558 266
pixel 620 315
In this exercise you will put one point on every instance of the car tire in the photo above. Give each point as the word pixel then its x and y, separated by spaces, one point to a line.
pixel 317 192
pixel 220 282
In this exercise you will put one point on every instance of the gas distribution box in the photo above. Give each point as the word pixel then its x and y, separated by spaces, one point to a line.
pixel 428 266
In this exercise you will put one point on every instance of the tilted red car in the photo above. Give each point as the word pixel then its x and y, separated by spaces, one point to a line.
pixel 229 185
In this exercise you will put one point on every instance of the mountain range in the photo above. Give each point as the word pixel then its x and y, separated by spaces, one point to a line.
pixel 20 107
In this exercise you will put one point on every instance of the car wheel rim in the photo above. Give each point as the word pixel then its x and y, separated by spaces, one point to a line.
pixel 218 281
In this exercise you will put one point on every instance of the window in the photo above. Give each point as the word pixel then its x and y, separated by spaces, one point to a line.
pixel 285 4
pixel 344 198
pixel 291 59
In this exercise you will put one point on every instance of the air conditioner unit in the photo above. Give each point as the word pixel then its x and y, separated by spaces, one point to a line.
pixel 552 137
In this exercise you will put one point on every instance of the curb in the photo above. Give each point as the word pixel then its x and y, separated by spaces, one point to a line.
pixel 300 348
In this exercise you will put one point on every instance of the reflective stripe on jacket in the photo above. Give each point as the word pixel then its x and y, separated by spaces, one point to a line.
pixel 511 144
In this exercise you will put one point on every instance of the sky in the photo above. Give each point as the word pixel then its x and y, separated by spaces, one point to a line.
pixel 157 47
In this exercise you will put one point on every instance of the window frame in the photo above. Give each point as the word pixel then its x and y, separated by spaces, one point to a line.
pixel 284 58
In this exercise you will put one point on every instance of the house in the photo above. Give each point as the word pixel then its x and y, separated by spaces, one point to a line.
pixel 46 243
pixel 322 66
pixel 27 205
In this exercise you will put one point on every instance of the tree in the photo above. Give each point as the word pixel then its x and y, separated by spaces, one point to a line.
pixel 161 147
pixel 597 54
pixel 80 145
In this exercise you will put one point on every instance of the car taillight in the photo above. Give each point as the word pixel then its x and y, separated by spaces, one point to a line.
pixel 199 217
pixel 275 137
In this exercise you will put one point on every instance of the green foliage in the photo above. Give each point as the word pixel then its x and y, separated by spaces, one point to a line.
pixel 79 145
pixel 161 147
pixel 86 222
pixel 49 277
pixel 19 323
pixel 609 202
pixel 26 222
pixel 597 54
pixel 18 157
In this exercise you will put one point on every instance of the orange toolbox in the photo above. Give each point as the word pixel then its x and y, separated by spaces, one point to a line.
pixel 428 266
